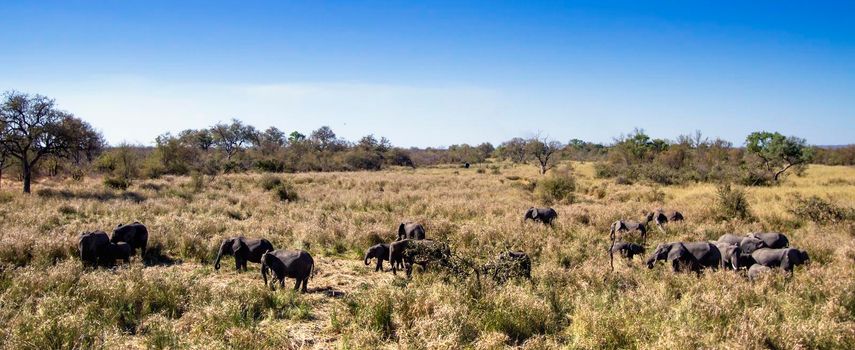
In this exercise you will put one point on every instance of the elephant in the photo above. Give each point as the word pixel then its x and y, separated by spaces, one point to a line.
pixel 420 252
pixel 756 271
pixel 731 256
pixel 731 239
pixel 754 241
pixel 411 230
pixel 296 264
pixel 695 255
pixel 243 250
pixel 507 265
pixel 785 258
pixel 120 251
pixel 542 215
pixel 661 217
pixel 135 234
pixel 627 250
pixel 626 226
pixel 379 252
pixel 94 248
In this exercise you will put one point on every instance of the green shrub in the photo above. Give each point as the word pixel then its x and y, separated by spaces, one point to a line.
pixel 286 192
pixel 117 183
pixel 269 182
pixel 558 187
pixel 197 182
pixel 818 210
pixel 732 203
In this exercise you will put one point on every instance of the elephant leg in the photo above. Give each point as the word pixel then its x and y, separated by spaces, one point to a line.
pixel 379 265
pixel 297 284
pixel 305 284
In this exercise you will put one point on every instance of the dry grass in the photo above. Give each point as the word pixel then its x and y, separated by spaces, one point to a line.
pixel 48 301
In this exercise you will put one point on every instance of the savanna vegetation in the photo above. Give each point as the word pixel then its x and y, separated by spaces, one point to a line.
pixel 335 198
pixel 47 299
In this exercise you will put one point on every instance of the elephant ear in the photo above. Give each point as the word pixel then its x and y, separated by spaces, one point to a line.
pixel 533 212
pixel 237 245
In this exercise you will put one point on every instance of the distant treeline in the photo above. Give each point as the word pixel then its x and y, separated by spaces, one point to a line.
pixel 38 139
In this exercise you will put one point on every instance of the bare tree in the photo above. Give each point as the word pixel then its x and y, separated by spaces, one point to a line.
pixel 543 150
pixel 33 128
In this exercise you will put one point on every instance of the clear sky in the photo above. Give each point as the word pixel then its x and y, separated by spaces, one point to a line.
pixel 439 73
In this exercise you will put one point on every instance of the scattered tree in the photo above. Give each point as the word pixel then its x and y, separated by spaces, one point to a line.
pixel 34 128
pixel 543 152
pixel 777 153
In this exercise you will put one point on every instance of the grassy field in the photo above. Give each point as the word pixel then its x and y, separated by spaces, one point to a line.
pixel 47 300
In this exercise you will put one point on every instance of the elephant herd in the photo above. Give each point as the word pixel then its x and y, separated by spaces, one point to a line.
pixel 97 249
pixel 758 253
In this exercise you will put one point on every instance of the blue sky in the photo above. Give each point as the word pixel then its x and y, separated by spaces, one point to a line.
pixel 440 73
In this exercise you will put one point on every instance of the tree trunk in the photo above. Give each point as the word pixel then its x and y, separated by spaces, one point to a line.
pixel 27 172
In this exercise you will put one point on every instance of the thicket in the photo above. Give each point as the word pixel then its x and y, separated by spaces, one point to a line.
pixel 765 159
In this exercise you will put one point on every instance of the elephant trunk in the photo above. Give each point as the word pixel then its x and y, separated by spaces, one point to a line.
pixel 264 267
pixel 219 255
pixel 367 256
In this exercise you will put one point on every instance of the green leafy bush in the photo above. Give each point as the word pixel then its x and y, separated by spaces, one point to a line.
pixel 558 187
pixel 117 183
pixel 732 203
pixel 818 210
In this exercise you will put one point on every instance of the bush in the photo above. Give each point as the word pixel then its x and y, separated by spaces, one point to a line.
pixel 117 183
pixel 558 187
pixel 818 210
pixel 269 182
pixel 286 192
pixel 732 203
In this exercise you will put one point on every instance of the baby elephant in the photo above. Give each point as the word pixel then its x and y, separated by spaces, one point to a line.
pixel 542 215
pixel 120 251
pixel 627 250
pixel 379 252
pixel 411 230
pixel 296 264
pixel 756 271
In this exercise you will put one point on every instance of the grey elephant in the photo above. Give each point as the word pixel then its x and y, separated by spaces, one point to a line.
pixel 732 257
pixel 627 250
pixel 542 215
pixel 296 264
pixel 507 265
pixel 621 227
pixel 379 252
pixel 120 251
pixel 243 249
pixel 662 217
pixel 731 239
pixel 785 258
pixel 94 248
pixel 411 252
pixel 411 230
pixel 756 271
pixel 754 241
pixel 694 255
pixel 135 235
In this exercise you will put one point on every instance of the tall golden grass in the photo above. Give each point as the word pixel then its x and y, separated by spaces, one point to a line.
pixel 47 300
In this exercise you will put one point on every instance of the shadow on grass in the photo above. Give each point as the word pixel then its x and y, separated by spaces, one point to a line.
pixel 92 195
pixel 155 256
